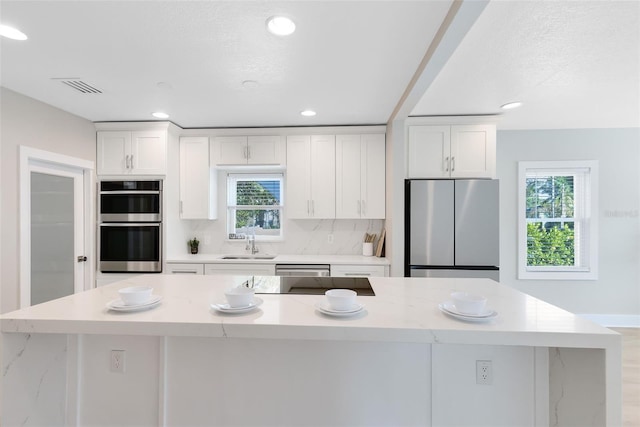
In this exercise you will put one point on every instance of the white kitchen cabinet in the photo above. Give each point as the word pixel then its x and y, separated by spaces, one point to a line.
pixel 360 176
pixel 184 268
pixel 358 270
pixel 248 150
pixel 241 269
pixel 132 153
pixel 457 151
pixel 197 180
pixel 311 177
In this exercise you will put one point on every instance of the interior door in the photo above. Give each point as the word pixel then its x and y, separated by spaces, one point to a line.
pixel 57 253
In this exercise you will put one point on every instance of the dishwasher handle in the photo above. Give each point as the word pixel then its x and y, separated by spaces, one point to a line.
pixel 303 270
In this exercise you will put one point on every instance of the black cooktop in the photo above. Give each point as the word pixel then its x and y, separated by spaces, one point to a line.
pixel 307 285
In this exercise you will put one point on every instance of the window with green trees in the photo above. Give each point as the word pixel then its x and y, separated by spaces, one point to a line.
pixel 550 220
pixel 557 224
pixel 254 205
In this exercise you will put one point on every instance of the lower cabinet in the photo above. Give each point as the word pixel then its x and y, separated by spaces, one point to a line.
pixel 241 269
pixel 184 268
pixel 337 270
pixel 342 270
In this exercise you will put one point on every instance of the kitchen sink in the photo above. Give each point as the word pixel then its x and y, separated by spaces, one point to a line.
pixel 248 257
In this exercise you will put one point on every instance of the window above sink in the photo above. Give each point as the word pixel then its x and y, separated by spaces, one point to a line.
pixel 254 206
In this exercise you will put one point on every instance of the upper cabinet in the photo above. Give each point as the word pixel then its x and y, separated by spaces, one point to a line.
pixel 132 152
pixel 197 179
pixel 311 177
pixel 457 151
pixel 360 176
pixel 248 150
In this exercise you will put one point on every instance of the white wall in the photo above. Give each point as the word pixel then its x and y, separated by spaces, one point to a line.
pixel 617 290
pixel 25 121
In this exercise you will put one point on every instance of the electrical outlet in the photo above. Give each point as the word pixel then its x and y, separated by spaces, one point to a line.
pixel 117 361
pixel 484 372
pixel 330 238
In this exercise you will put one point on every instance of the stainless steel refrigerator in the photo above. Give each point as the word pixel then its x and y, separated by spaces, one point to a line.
pixel 451 228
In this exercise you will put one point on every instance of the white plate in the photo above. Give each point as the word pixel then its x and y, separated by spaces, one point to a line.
pixel 451 308
pixel 118 305
pixel 488 315
pixel 325 308
pixel 226 308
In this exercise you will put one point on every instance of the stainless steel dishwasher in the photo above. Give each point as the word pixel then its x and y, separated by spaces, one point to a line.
pixel 303 270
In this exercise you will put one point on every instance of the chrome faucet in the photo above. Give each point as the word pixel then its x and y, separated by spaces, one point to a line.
pixel 251 245
pixel 251 239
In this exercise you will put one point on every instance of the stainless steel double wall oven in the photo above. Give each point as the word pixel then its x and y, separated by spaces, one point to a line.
pixel 130 226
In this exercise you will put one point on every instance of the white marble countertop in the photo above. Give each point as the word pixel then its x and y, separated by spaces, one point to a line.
pixel 280 259
pixel 403 310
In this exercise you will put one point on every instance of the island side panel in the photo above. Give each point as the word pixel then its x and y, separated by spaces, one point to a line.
pixel 212 381
pixel 34 370
pixel 577 387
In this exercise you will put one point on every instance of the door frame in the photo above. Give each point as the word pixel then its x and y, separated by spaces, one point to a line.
pixel 34 157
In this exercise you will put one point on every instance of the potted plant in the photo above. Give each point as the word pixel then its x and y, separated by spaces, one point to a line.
pixel 193 244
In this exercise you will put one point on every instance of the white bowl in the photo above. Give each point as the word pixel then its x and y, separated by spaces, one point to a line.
pixel 341 299
pixel 239 297
pixel 135 295
pixel 468 303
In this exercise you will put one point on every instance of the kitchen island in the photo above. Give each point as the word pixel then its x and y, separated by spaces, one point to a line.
pixel 401 361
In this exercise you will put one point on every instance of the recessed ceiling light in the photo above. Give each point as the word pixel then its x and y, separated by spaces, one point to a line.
pixel 308 113
pixel 249 84
pixel 280 25
pixel 12 33
pixel 511 105
pixel 160 115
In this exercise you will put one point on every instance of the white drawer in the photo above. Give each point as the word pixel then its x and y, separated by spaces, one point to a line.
pixel 184 268
pixel 341 270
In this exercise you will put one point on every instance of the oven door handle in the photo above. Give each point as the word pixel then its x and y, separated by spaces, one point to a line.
pixel 130 224
pixel 129 192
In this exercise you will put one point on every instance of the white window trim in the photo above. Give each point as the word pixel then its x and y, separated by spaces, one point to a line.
pixel 552 273
pixel 257 175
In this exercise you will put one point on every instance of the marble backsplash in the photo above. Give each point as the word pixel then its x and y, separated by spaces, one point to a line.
pixel 301 237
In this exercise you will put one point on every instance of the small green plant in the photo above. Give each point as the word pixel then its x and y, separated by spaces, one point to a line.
pixel 193 244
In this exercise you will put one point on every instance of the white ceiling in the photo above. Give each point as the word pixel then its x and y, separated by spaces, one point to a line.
pixel 573 63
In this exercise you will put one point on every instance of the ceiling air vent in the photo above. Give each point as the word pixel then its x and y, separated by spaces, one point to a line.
pixel 79 85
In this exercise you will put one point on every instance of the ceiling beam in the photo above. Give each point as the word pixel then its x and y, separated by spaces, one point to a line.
pixel 458 21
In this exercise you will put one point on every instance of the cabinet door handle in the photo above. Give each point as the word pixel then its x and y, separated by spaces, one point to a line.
pixel 180 206
pixel 184 272
pixel 357 274
pixel 308 208
pixel 364 208
pixel 131 163
pixel 248 153
pixel 126 161
pixel 446 164
pixel 453 164
pixel 313 207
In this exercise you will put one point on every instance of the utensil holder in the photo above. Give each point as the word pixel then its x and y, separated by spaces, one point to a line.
pixel 367 249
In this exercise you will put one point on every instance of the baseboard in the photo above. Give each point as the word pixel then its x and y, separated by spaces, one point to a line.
pixel 614 320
